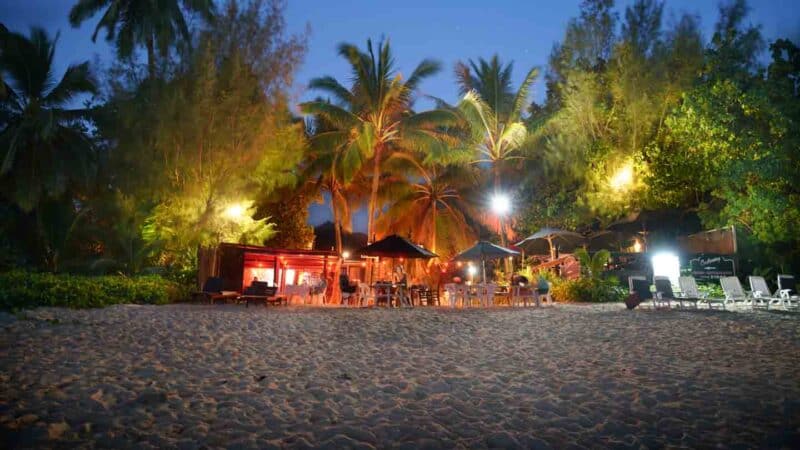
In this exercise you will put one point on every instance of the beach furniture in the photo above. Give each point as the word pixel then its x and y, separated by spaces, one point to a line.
pixel 543 292
pixel 787 289
pixel 261 291
pixel 291 291
pixel 212 292
pixel 638 285
pixel 522 295
pixel 665 294
pixel 452 294
pixel 736 296
pixel 759 289
pixel 689 290
pixel 365 294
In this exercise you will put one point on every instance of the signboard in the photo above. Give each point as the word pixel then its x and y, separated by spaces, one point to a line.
pixel 712 267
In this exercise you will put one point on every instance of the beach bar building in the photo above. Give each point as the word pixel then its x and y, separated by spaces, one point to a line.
pixel 239 265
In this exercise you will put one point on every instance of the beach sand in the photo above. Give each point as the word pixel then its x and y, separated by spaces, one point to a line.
pixel 577 376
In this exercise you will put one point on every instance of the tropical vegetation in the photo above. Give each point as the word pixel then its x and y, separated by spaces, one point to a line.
pixel 133 168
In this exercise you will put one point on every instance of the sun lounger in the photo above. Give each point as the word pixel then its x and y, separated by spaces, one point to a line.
pixel 689 290
pixel 787 290
pixel 666 295
pixel 736 296
pixel 641 287
pixel 212 292
pixel 760 290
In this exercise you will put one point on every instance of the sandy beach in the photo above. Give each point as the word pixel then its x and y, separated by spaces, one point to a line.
pixel 191 376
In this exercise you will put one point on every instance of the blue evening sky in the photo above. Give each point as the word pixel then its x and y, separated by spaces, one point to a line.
pixel 447 30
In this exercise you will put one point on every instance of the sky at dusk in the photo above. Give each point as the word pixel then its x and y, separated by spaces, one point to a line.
pixel 448 30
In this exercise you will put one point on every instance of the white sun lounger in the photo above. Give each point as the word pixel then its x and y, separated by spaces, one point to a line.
pixel 759 289
pixel 737 297
pixel 689 289
pixel 787 290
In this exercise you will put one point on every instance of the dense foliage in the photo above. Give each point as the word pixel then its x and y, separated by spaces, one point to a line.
pixel 25 290
pixel 197 143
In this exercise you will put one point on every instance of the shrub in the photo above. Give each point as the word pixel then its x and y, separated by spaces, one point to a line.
pixel 22 290
pixel 594 290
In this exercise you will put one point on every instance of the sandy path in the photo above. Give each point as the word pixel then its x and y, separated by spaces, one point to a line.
pixel 225 376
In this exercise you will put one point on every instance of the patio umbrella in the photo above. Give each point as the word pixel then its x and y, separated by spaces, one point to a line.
pixel 482 251
pixel 395 246
pixel 566 240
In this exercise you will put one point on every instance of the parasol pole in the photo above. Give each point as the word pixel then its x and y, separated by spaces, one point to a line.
pixel 483 262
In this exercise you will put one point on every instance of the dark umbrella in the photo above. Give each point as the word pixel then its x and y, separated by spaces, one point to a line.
pixel 566 240
pixel 482 251
pixel 395 246
pixel 607 240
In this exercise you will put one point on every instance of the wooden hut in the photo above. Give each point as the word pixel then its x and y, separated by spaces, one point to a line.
pixel 239 265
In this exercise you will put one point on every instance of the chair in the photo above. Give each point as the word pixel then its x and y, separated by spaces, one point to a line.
pixel 452 294
pixel 261 291
pixel 301 290
pixel 469 295
pixel 429 296
pixel 546 296
pixel 638 285
pixel 665 294
pixel 689 290
pixel 364 294
pixel 486 294
pixel 736 296
pixel 760 290
pixel 212 291
pixel 318 291
pixel 522 294
pixel 787 290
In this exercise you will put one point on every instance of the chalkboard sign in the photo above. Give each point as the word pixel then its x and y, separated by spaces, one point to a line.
pixel 711 267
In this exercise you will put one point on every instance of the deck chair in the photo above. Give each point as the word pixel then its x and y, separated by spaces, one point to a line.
pixel 212 292
pixel 787 290
pixel 689 290
pixel 736 296
pixel 638 285
pixel 665 294
pixel 759 289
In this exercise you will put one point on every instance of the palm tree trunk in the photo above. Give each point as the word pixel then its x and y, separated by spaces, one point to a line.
pixel 337 226
pixel 433 229
pixel 151 56
pixel 373 196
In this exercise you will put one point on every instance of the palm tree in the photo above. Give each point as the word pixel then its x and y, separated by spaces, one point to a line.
pixel 433 200
pixel 155 23
pixel 43 144
pixel 334 169
pixel 493 111
pixel 374 117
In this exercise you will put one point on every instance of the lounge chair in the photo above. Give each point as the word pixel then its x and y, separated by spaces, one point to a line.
pixel 689 290
pixel 759 289
pixel 665 294
pixel 787 289
pixel 212 292
pixel 638 285
pixel 261 291
pixel 736 296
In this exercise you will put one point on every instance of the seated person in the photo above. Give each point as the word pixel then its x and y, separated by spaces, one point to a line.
pixel 345 285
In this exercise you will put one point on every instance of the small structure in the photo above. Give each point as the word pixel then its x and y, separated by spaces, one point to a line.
pixel 239 265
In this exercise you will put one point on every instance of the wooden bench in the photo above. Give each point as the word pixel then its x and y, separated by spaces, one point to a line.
pixel 260 291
